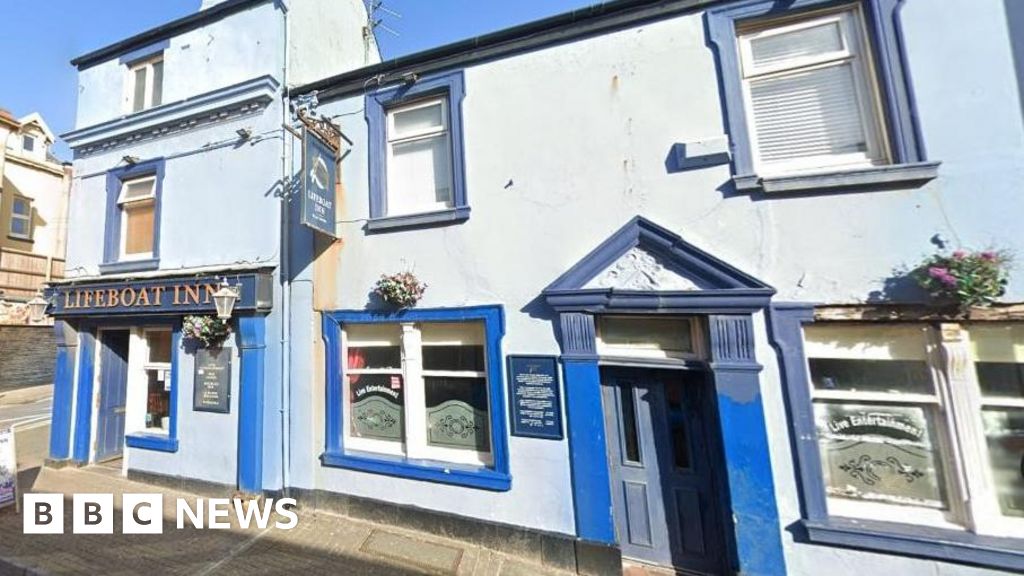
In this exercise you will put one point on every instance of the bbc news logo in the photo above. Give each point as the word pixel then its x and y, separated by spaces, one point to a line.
pixel 144 513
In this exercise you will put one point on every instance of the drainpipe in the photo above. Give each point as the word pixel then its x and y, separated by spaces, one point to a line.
pixel 285 270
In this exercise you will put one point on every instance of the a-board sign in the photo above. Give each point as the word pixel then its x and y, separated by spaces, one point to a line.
pixel 8 469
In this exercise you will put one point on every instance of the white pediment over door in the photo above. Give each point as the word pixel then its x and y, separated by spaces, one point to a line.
pixel 639 269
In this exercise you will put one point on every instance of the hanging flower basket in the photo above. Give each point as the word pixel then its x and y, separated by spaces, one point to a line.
pixel 204 331
pixel 965 278
pixel 401 290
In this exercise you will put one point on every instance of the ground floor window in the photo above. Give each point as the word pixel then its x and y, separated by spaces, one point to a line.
pixel 148 407
pixel 418 389
pixel 921 423
pixel 418 394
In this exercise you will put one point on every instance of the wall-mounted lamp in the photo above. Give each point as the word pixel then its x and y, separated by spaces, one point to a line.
pixel 244 133
pixel 37 307
pixel 130 160
pixel 225 298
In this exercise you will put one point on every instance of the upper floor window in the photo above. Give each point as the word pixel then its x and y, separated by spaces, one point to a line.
pixel 137 203
pixel 416 164
pixel 145 84
pixel 810 94
pixel 816 96
pixel 28 143
pixel 419 158
pixel 21 219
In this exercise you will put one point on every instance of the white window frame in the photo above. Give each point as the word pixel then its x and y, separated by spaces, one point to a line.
pixel 414 409
pixel 122 203
pixel 960 442
pixel 391 140
pixel 147 99
pixel 856 52
pixel 137 397
pixel 26 218
pixel 28 138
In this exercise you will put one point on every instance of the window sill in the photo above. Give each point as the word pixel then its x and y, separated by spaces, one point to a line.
pixel 920 541
pixel 449 216
pixel 28 240
pixel 877 177
pixel 157 442
pixel 430 470
pixel 130 266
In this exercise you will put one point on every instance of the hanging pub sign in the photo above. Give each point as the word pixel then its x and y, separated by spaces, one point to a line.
pixel 536 400
pixel 212 383
pixel 321 144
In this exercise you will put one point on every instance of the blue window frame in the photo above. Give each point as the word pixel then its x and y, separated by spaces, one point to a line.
pixel 112 260
pixel 494 476
pixel 450 89
pixel 787 321
pixel 907 161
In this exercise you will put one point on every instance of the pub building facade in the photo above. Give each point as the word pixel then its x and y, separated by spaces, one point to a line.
pixel 666 318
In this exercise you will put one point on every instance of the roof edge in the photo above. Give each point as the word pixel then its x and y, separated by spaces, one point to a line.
pixel 168 30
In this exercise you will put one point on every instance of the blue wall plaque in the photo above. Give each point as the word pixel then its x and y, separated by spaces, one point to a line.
pixel 319 173
pixel 535 396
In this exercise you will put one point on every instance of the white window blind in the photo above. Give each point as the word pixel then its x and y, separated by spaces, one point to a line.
pixel 810 97
pixel 419 158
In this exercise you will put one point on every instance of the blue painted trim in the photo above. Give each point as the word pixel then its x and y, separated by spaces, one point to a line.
pixel 903 131
pixel 83 406
pixel 112 232
pixel 756 536
pixel 721 286
pixel 920 541
pixel 144 53
pixel 129 265
pixel 63 390
pixel 157 442
pixel 497 477
pixel 252 349
pixel 588 459
pixel 377 104
pixel 441 217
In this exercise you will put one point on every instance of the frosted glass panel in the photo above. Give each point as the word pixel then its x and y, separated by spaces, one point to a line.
pixel 376 404
pixel 418 120
pixel 457 413
pixel 808 113
pixel 1004 432
pixel 139 96
pixel 880 453
pixel 797 44
pixel 138 189
pixel 158 83
pixel 419 178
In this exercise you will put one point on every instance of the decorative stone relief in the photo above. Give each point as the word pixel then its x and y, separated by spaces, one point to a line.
pixel 638 269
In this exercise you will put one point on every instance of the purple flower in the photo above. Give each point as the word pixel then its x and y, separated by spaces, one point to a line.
pixel 938 272
pixel 988 256
pixel 948 281
pixel 959 255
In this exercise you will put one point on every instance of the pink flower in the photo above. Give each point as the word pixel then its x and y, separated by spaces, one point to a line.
pixel 948 281
pixel 959 255
pixel 938 272
pixel 988 256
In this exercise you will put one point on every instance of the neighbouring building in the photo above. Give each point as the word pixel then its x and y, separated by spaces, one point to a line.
pixel 34 189
pixel 667 317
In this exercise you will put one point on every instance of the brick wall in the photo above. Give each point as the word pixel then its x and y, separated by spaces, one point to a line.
pixel 27 355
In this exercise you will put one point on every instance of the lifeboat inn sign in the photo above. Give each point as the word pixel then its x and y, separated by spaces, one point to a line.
pixel 321 145
pixel 182 295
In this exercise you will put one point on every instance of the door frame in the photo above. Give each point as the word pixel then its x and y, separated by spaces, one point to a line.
pixel 98 390
pixel 719 504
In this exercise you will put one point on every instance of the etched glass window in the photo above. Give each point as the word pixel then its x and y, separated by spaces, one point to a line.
pixel 375 382
pixel 419 390
pixel 875 408
pixel 998 355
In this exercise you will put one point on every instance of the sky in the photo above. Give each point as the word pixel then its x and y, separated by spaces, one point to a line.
pixel 35 75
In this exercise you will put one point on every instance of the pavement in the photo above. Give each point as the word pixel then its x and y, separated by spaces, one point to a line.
pixel 26 406
pixel 321 543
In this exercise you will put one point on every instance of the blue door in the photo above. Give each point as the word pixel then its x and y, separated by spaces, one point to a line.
pixel 661 445
pixel 113 389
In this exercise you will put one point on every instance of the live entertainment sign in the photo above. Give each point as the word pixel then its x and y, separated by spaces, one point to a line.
pixel 164 295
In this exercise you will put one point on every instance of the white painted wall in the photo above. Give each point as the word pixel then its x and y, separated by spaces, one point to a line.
pixel 566 144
